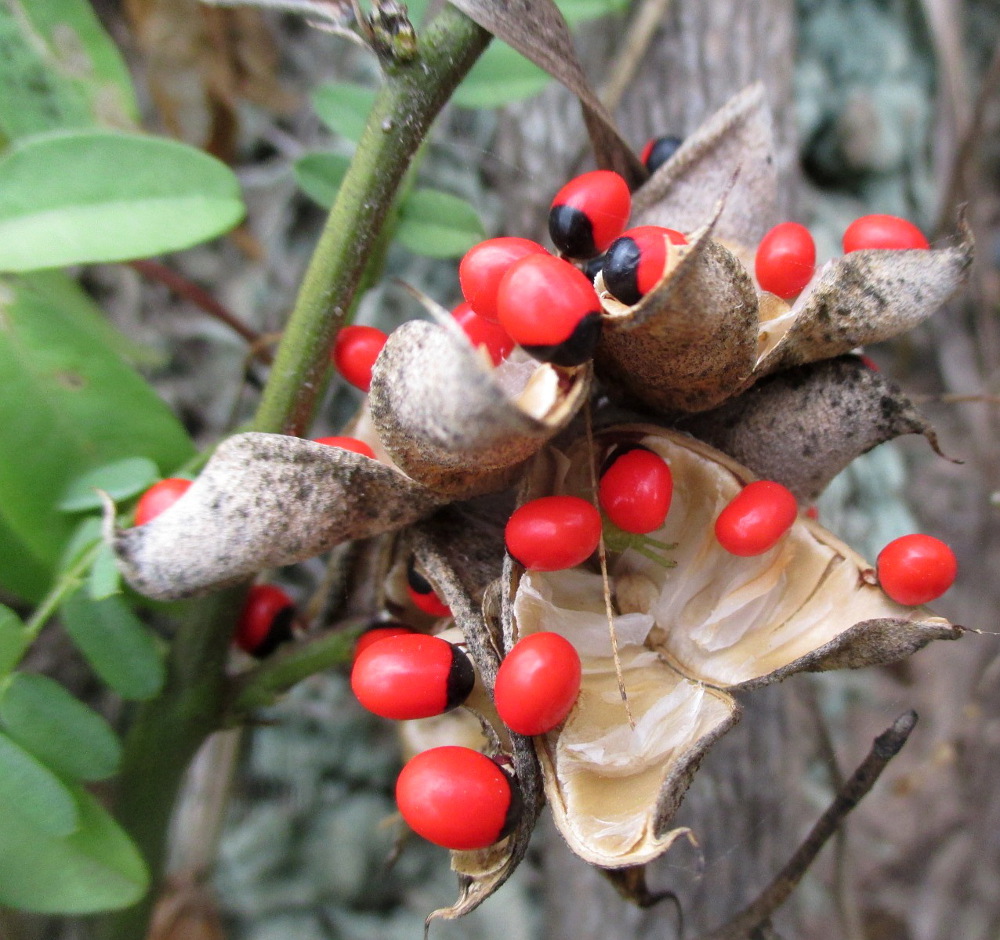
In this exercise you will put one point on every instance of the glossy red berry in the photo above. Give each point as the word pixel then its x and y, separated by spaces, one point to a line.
pixel 915 569
pixel 347 443
pixel 266 620
pixel 379 631
pixel 483 267
pixel 786 259
pixel 658 150
pixel 158 497
pixel 412 675
pixel 756 518
pixel 589 213
pixel 537 683
pixel 422 595
pixel 882 231
pixel 483 332
pixel 553 532
pixel 456 797
pixel 635 489
pixel 551 309
pixel 355 351
pixel 635 262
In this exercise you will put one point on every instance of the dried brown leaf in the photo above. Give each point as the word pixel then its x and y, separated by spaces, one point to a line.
pixel 537 30
pixel 265 500
pixel 802 426
pixel 455 424
pixel 683 192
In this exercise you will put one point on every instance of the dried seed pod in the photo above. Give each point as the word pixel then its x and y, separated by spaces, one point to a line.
pixel 690 343
pixel 682 193
pixel 802 426
pixel 264 500
pixel 864 297
pixel 455 425
pixel 686 635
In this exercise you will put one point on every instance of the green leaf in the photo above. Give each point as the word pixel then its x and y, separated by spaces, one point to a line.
pixel 344 107
pixel 87 196
pixel 104 579
pixel 320 175
pixel 14 640
pixel 75 402
pixel 65 735
pixel 499 77
pixel 118 646
pixel 96 868
pixel 59 69
pixel 119 479
pixel 438 224
pixel 22 573
pixel 37 792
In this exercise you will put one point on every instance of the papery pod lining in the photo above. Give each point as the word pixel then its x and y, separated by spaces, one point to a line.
pixel 802 426
pixel 864 297
pixel 680 195
pixel 448 422
pixel 262 501
pixel 691 342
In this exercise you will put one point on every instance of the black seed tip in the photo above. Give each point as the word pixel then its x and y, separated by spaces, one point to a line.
pixel 621 270
pixel 576 349
pixel 461 679
pixel 279 633
pixel 417 582
pixel 572 232
pixel 662 150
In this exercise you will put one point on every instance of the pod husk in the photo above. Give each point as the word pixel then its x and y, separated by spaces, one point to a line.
pixel 264 500
pixel 687 637
pixel 802 426
pixel 738 138
pixel 461 551
pixel 864 297
pixel 691 342
pixel 446 420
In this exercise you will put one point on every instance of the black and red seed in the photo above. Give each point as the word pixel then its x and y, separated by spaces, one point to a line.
pixel 658 150
pixel 589 213
pixel 636 260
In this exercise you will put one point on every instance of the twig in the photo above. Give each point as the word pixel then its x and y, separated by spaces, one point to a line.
pixel 201 298
pixel 885 747
pixel 632 51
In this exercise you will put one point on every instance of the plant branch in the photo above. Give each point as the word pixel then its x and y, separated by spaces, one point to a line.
pixel 413 94
pixel 884 748
pixel 201 298
pixel 262 686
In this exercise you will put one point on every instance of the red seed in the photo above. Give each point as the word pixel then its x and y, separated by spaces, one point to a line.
pixel 158 497
pixel 455 797
pixel 786 259
pixel 379 631
pixel 756 518
pixel 422 594
pixel 411 676
pixel 483 332
pixel 882 231
pixel 265 621
pixel 484 266
pixel 916 569
pixel 553 532
pixel 635 262
pixel 551 309
pixel 635 490
pixel 355 351
pixel 537 683
pixel 589 213
pixel 347 443
pixel 658 150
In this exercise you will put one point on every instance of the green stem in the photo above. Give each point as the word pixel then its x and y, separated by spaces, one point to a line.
pixel 68 582
pixel 169 730
pixel 262 686
pixel 413 94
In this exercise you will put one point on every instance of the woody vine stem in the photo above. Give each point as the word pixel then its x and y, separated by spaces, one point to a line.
pixel 170 729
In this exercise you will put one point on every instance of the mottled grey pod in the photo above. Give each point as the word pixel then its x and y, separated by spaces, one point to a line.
pixel 265 500
pixel 448 421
